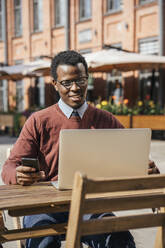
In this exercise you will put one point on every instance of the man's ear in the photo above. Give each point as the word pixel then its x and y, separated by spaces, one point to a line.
pixel 55 84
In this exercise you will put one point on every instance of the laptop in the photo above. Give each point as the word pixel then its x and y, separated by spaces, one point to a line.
pixel 102 153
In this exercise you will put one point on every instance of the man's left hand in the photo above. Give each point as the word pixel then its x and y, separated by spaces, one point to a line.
pixel 152 168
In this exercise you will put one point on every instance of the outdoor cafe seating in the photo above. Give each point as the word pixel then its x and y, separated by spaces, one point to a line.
pixel 88 196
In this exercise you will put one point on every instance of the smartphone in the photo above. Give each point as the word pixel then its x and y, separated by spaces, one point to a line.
pixel 31 162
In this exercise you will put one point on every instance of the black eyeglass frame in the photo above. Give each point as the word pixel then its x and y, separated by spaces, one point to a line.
pixel 77 81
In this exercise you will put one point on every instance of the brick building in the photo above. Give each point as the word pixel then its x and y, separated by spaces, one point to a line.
pixel 30 29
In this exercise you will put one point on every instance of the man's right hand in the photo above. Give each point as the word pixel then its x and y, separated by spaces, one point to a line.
pixel 27 175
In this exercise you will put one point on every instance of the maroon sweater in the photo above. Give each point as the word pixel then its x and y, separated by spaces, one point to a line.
pixel 40 138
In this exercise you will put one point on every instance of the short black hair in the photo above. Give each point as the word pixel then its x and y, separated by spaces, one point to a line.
pixel 69 57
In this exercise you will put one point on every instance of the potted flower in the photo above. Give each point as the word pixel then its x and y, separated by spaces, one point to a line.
pixel 147 114
pixel 120 110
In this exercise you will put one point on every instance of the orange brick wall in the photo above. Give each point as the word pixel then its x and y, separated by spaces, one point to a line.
pixel 126 27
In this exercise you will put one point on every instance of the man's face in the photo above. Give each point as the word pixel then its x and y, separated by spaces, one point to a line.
pixel 73 95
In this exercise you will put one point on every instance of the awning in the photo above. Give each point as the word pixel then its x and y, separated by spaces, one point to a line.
pixel 17 72
pixel 100 61
pixel 107 60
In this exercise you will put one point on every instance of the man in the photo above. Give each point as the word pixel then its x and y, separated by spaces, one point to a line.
pixel 40 136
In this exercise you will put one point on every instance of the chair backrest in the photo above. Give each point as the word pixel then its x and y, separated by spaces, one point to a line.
pixel 90 196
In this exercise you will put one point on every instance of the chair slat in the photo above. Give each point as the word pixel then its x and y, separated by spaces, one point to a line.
pixel 146 200
pixel 41 231
pixel 117 224
pixel 124 184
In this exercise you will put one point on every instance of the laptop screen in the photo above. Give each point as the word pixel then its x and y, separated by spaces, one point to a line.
pixel 103 153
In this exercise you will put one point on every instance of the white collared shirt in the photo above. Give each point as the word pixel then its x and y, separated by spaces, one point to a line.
pixel 67 110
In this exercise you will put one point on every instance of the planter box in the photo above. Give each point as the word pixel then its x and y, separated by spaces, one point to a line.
pixel 155 122
pixel 22 121
pixel 14 127
pixel 125 120
pixel 6 120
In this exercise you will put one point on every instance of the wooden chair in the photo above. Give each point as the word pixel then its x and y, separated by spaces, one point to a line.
pixel 12 222
pixel 2 225
pixel 114 195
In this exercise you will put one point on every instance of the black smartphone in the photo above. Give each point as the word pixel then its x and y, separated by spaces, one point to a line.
pixel 31 162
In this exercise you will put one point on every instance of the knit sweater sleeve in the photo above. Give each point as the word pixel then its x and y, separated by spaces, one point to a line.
pixel 25 146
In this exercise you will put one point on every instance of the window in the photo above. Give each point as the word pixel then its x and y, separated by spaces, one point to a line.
pixel 114 81
pixel 145 1
pixel 114 86
pixel 85 9
pixel 149 46
pixel 20 95
pixel 114 5
pixel 36 93
pixel 17 18
pixel 19 91
pixel 0 19
pixel 59 12
pixel 41 88
pixel 3 95
pixel 37 15
pixel 149 82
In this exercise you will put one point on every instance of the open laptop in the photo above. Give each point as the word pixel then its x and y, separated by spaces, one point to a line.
pixel 102 153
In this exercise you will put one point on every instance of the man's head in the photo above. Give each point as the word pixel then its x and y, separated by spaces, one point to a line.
pixel 70 72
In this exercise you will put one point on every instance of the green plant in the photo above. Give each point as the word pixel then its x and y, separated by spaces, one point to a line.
pixel 147 107
pixel 17 127
pixel 117 109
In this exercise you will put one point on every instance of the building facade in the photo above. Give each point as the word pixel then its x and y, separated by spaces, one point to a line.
pixel 30 29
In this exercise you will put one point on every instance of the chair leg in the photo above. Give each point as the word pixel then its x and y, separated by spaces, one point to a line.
pixel 17 225
pixel 160 235
pixel 2 225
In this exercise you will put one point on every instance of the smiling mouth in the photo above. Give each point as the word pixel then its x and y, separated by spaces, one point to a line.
pixel 76 97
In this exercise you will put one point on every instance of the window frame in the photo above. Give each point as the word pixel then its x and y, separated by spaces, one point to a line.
pixel 20 88
pixel 82 4
pixel 18 10
pixel 4 100
pixel 1 32
pixel 145 76
pixel 115 9
pixel 58 13
pixel 146 41
pixel 20 93
pixel 37 28
pixel 146 2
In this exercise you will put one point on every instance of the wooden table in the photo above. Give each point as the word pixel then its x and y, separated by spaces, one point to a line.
pixel 43 197
pixel 35 199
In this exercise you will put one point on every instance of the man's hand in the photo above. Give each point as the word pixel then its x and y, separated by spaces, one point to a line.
pixel 26 175
pixel 152 168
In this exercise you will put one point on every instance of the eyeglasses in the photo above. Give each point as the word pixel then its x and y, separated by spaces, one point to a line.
pixel 68 83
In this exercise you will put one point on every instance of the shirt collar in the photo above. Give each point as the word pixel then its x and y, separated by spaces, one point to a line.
pixel 67 110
